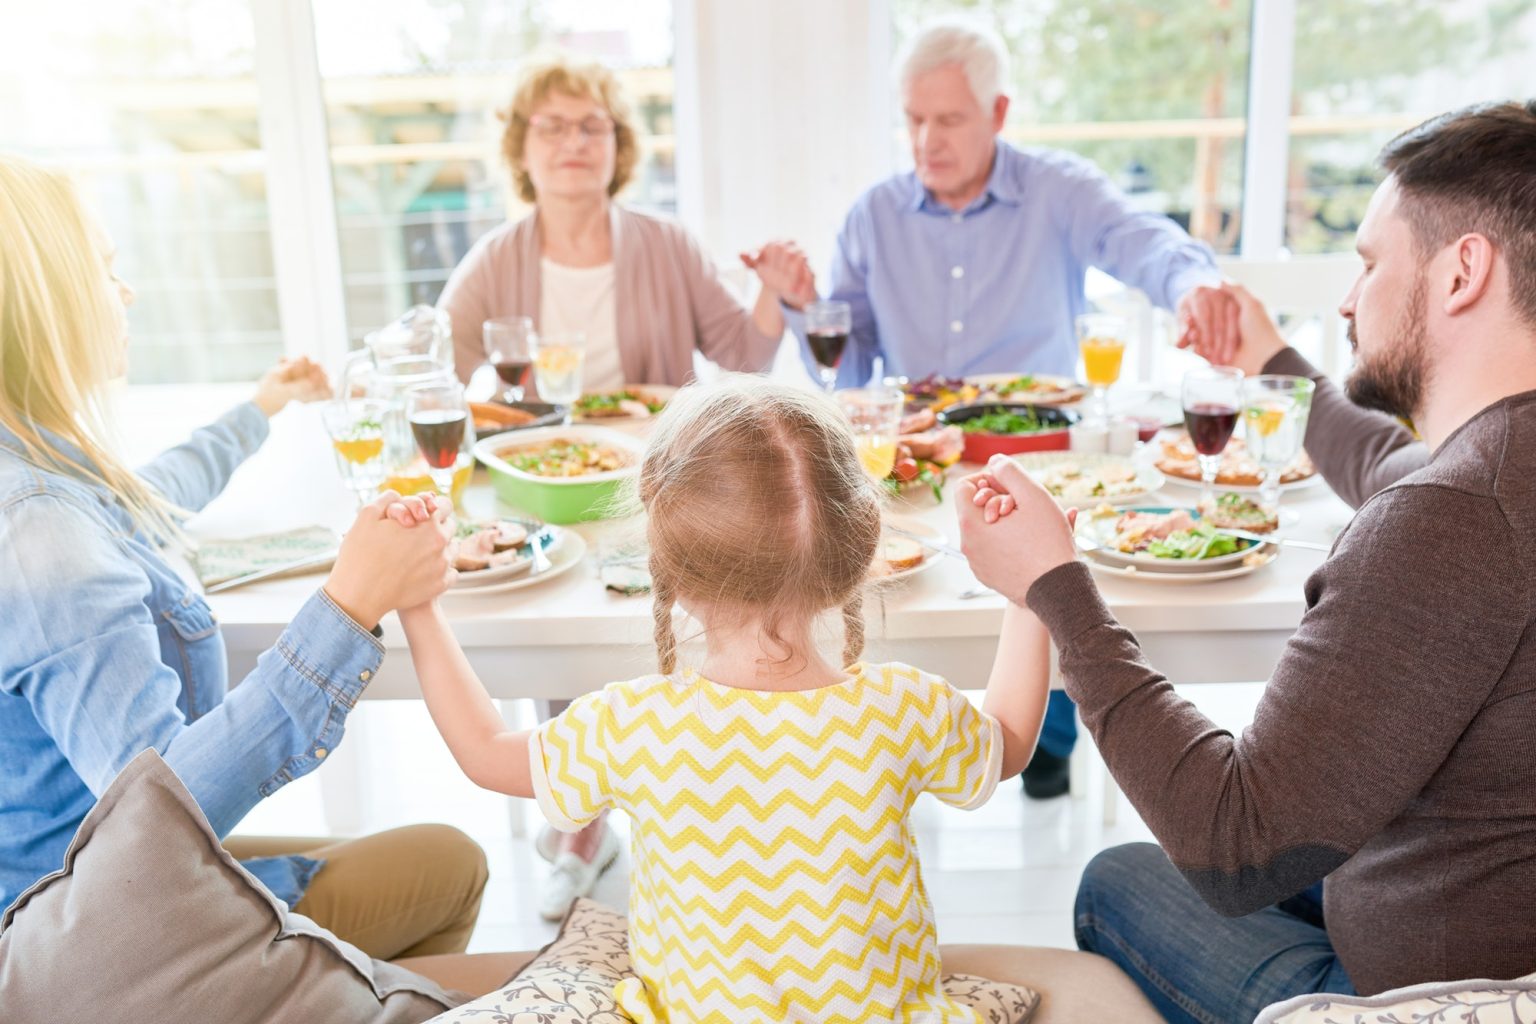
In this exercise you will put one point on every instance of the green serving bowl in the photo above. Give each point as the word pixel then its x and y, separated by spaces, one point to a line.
pixel 573 499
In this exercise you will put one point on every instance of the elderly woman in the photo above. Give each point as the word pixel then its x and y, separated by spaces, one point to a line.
pixel 106 649
pixel 639 287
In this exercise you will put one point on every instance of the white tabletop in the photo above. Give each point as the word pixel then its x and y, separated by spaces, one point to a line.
pixel 568 635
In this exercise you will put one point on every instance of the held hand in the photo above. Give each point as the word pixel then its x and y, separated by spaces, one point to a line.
pixel 291 380
pixel 1208 323
pixel 1260 338
pixel 1010 529
pixel 385 564
pixel 783 268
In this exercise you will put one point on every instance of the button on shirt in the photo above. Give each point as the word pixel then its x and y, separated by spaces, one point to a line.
pixel 994 288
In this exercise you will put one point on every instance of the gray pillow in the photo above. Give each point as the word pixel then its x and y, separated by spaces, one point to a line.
pixel 151 921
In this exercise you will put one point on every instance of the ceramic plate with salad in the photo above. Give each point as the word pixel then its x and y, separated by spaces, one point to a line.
pixel 1160 538
pixel 640 402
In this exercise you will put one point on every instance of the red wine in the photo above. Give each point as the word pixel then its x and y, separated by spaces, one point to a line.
pixel 1210 426
pixel 512 374
pixel 827 346
pixel 439 433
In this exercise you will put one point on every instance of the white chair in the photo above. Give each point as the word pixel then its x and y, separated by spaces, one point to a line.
pixel 1306 290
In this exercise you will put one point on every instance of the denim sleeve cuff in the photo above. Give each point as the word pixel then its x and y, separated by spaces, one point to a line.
pixel 1068 603
pixel 325 646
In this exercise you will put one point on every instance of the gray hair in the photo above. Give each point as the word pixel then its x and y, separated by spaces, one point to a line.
pixel 978 51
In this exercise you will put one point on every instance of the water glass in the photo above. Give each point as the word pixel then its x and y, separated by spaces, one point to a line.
pixel 558 360
pixel 874 414
pixel 356 429
pixel 1275 411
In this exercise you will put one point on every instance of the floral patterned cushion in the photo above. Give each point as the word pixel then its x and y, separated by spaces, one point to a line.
pixel 572 980
pixel 1441 1002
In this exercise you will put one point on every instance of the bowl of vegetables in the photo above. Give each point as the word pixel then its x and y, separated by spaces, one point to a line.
pixel 1009 428
pixel 561 474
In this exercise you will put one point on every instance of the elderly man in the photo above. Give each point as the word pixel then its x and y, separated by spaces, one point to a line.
pixel 1390 753
pixel 973 262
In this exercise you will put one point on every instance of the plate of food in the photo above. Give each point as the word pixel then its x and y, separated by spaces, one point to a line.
pixel 499 417
pixel 1232 511
pixel 640 402
pixel 1160 539
pixel 1238 471
pixel 564 551
pixel 924 452
pixel 936 392
pixel 1253 562
pixel 905 554
pixel 1038 388
pixel 1083 479
pixel 1008 428
pixel 486 551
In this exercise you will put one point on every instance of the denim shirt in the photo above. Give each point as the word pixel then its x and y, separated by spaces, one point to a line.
pixel 106 650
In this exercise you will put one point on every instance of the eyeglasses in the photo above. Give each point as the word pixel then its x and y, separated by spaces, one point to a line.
pixel 553 126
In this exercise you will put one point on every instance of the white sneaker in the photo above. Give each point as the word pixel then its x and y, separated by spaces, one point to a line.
pixel 572 878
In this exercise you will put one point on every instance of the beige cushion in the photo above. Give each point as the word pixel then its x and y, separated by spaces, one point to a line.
pixel 571 981
pixel 1441 1002
pixel 150 921
pixel 1074 987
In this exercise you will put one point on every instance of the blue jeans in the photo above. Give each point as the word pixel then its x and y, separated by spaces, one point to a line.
pixel 1135 908
pixel 1058 733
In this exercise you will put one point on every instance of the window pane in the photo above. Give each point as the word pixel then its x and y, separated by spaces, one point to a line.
pixel 1154 94
pixel 1349 99
pixel 411 91
pixel 152 105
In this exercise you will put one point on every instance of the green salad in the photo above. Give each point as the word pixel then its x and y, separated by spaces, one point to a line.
pixel 608 402
pixel 1201 541
pixel 1005 421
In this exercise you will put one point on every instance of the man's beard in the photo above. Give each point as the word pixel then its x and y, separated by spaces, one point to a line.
pixel 1393 380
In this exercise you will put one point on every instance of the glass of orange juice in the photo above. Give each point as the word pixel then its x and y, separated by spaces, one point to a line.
pixel 1101 339
pixel 874 414
pixel 356 427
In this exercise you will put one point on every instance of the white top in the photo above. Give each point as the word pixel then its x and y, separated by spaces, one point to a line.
pixel 581 299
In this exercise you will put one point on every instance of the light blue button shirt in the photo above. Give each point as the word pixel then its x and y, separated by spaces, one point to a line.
pixel 995 287
pixel 105 650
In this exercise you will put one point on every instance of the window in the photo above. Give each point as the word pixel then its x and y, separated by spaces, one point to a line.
pixel 412 88
pixel 1348 100
pixel 1154 94
pixel 152 105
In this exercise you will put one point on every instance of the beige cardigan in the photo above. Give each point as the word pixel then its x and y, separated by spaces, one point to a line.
pixel 668 299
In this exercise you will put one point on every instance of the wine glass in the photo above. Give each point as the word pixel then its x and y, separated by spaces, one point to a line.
pixel 1211 396
pixel 1101 339
pixel 356 427
pixel 827 326
pixel 439 417
pixel 558 360
pixel 1275 411
pixel 509 347
pixel 874 415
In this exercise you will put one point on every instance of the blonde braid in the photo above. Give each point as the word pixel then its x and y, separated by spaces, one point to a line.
pixel 661 609
pixel 853 628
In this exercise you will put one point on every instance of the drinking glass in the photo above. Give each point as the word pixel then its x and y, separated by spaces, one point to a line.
pixel 874 415
pixel 1275 410
pixel 1101 338
pixel 509 348
pixel 557 364
pixel 356 427
pixel 439 417
pixel 827 326
pixel 1211 396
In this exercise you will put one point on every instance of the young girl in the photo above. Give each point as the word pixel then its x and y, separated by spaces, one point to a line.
pixel 775 869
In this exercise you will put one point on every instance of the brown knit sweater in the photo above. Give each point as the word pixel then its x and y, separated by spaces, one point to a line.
pixel 1394 749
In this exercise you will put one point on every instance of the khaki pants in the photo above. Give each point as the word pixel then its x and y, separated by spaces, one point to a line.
pixel 412 891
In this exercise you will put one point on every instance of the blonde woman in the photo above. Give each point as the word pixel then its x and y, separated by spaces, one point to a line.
pixel 106 650
pixel 639 287
pixel 769 786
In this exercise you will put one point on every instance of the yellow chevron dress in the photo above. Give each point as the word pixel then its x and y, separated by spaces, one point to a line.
pixel 775 873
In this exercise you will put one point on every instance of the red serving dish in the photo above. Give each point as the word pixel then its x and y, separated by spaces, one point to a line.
pixel 981 446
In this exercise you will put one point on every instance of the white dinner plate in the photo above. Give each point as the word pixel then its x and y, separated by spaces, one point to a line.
pixel 1256 560
pixel 478 578
pixel 654 392
pixel 923 531
pixel 1072 391
pixel 1095 534
pixel 1039 465
pixel 564 554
